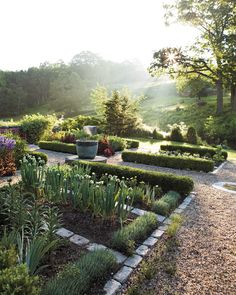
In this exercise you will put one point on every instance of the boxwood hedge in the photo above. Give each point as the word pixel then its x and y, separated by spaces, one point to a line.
pixel 202 151
pixel 180 162
pixel 167 181
pixel 58 146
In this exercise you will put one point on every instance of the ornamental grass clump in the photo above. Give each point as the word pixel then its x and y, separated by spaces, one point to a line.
pixel 125 239
pixel 167 203
pixel 78 278
pixel 7 159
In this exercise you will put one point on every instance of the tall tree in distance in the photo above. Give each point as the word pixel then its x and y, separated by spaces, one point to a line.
pixel 215 20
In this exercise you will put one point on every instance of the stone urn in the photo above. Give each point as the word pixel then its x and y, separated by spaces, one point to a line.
pixel 86 149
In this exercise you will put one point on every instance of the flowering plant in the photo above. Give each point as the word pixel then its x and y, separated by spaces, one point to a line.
pixel 7 161
pixel 7 143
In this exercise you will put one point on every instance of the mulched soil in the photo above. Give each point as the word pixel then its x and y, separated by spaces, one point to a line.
pixel 65 253
pixel 94 229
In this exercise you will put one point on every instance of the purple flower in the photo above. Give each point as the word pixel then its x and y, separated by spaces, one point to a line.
pixel 7 143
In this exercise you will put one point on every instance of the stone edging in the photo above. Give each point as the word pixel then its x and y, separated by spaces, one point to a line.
pixel 219 168
pixel 130 263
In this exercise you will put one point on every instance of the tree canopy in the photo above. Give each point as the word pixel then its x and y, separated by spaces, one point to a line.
pixel 213 54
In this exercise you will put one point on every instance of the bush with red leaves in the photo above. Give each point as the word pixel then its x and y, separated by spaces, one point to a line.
pixel 68 138
pixel 104 147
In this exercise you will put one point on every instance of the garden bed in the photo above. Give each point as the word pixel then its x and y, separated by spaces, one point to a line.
pixel 94 229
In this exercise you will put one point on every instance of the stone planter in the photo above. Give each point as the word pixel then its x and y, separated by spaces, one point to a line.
pixel 86 149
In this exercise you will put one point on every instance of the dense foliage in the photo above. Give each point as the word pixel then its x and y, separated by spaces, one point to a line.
pixel 60 87
pixel 77 278
pixel 126 238
pixel 166 181
pixel 201 150
pixel 179 162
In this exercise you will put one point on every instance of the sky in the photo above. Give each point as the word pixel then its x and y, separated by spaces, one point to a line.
pixel 35 31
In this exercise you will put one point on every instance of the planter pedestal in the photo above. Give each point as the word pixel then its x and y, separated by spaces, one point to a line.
pixel 71 159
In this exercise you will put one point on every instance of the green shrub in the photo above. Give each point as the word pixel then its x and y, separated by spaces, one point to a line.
pixel 191 135
pixel 176 134
pixel 166 181
pixel 19 149
pixel 79 122
pixel 35 126
pixel 117 143
pixel 79 277
pixel 172 229
pixel 58 146
pixel 8 257
pixel 16 280
pixel 38 156
pixel 132 144
pixel 125 238
pixel 157 135
pixel 202 151
pixel 180 162
pixel 161 207
pixel 167 203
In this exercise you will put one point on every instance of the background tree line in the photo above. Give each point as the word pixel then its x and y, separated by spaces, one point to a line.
pixel 63 87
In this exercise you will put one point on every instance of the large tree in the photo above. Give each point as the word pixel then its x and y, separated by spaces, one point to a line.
pixel 215 20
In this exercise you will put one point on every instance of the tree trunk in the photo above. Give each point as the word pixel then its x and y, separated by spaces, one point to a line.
pixel 233 97
pixel 219 92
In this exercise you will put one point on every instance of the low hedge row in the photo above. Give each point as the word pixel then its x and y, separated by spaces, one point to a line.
pixel 132 144
pixel 71 148
pixel 126 238
pixel 78 277
pixel 196 164
pixel 166 204
pixel 58 146
pixel 202 151
pixel 167 181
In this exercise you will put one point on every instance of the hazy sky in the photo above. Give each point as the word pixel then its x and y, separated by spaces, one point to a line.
pixel 34 31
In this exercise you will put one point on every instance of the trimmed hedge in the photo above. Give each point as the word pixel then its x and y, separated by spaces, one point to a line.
pixel 38 155
pixel 169 161
pixel 70 148
pixel 167 181
pixel 202 151
pixel 132 144
pixel 125 238
pixel 58 146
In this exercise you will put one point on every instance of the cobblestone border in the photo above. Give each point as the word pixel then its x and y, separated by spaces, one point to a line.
pixel 219 168
pixel 128 264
